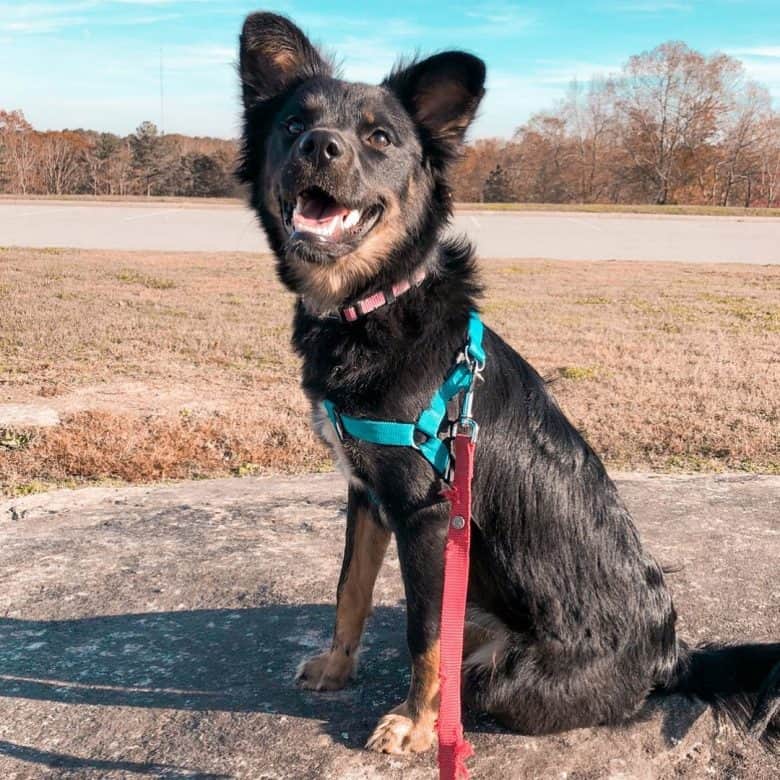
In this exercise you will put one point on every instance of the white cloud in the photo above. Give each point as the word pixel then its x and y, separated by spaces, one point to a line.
pixel 364 59
pixel 194 57
pixel 132 21
pixel 499 18
pixel 510 101
pixel 756 51
pixel 152 2
pixel 47 17
pixel 762 63
pixel 654 6
pixel 314 22
pixel 38 26
pixel 563 72
pixel 36 18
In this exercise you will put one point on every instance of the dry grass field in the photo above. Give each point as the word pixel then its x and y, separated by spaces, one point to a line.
pixel 166 366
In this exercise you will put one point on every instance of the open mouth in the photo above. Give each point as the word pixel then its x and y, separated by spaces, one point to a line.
pixel 317 215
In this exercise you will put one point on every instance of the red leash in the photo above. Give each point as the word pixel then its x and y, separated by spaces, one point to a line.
pixel 453 748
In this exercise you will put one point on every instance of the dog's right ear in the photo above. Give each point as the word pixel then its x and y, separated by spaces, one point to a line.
pixel 275 54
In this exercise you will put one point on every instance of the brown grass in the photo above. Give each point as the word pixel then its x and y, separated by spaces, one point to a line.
pixel 170 365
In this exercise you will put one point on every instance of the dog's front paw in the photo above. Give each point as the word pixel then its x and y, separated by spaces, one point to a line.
pixel 397 733
pixel 326 672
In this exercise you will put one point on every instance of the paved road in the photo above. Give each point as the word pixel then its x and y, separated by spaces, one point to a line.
pixel 154 632
pixel 557 235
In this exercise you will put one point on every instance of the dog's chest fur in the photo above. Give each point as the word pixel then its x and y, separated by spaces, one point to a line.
pixel 325 430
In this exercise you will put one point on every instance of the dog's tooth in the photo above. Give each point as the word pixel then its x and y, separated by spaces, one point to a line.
pixel 351 219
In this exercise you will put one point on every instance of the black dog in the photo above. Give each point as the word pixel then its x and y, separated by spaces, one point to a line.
pixel 570 622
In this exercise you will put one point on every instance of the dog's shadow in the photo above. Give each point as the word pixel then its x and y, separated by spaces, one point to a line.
pixel 241 660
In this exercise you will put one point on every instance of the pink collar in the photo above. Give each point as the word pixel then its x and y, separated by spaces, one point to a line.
pixel 382 298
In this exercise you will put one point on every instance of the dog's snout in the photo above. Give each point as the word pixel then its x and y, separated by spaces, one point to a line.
pixel 321 147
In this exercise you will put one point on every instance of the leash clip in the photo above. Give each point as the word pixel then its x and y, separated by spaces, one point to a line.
pixel 463 426
pixel 466 426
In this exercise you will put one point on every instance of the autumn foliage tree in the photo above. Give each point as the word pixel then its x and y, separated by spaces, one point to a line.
pixel 87 162
pixel 17 152
pixel 674 126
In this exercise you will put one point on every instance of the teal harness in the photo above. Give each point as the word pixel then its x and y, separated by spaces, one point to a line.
pixel 423 434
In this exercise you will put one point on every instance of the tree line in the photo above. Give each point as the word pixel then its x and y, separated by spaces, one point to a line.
pixel 673 126
pixel 146 162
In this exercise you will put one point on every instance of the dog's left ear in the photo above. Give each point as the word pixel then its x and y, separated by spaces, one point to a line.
pixel 442 94
pixel 275 55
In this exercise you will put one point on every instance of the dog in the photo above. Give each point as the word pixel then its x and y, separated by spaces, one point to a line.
pixel 569 621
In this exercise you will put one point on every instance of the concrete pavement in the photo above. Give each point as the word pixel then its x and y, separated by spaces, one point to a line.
pixel 547 234
pixel 155 631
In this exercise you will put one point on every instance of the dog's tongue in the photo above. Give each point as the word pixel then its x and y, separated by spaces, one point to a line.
pixel 320 210
pixel 323 216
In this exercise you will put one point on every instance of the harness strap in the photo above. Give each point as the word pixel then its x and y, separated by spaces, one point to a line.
pixel 428 424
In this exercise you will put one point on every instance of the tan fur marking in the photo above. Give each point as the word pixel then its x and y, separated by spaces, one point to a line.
pixel 410 727
pixel 312 101
pixel 485 640
pixel 284 58
pixel 330 671
pixel 327 286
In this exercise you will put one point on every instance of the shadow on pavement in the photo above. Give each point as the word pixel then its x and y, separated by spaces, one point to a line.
pixel 64 761
pixel 240 660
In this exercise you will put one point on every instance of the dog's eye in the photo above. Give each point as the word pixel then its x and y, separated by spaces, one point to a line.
pixel 294 125
pixel 379 138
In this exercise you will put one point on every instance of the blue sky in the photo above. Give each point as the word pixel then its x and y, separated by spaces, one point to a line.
pixel 96 63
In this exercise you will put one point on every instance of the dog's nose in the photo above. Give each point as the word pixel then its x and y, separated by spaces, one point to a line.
pixel 321 146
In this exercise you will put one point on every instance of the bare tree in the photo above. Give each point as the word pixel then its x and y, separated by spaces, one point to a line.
pixel 769 156
pixel 546 152
pixel 669 100
pixel 17 140
pixel 60 162
pixel 744 126
pixel 591 124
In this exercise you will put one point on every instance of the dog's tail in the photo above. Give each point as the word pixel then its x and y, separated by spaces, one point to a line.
pixel 739 681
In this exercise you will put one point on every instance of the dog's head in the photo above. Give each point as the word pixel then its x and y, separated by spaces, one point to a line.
pixel 350 180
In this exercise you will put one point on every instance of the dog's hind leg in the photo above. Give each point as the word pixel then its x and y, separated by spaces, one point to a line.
pixel 364 551
pixel 535 687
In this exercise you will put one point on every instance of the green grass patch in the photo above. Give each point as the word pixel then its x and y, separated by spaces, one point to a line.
pixel 14 440
pixel 578 373
pixel 29 488
pixel 747 310
pixel 152 282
